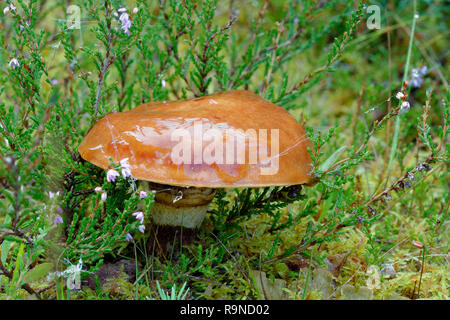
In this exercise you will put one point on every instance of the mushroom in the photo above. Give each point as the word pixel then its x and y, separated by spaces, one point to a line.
pixel 187 149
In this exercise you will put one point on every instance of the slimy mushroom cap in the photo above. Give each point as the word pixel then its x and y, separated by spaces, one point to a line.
pixel 264 144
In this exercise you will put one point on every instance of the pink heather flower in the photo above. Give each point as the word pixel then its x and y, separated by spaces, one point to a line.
pixel 139 216
pixel 98 189
pixel 58 219
pixel 143 194
pixel 399 95
pixel 126 172
pixel 59 210
pixel 51 195
pixel 142 228
pixel 125 165
pixel 8 8
pixel 417 75
pixel 111 175
pixel 128 237
pixel 126 22
pixel 121 10
pixel 104 196
pixel 163 83
pixel 14 63
pixel 405 106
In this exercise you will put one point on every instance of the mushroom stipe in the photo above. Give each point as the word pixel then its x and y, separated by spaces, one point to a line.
pixel 177 214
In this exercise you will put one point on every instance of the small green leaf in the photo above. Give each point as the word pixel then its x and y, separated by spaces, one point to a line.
pixel 6 246
pixel 38 272
pixel 332 159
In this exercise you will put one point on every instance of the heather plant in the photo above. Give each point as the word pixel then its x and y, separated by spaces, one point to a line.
pixel 374 103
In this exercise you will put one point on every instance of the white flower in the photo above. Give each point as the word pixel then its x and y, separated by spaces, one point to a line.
pixel 143 194
pixel 14 63
pixel 98 189
pixel 135 10
pixel 126 172
pixel 111 175
pixel 141 228
pixel 125 165
pixel 139 216
pixel 8 8
pixel 416 76
pixel 163 83
pixel 51 195
pixel 128 237
pixel 399 95
pixel 124 162
pixel 122 10
pixel 126 22
pixel 54 82
pixel 104 196
pixel 416 16
pixel 405 106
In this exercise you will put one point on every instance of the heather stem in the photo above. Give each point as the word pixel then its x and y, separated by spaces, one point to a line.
pixel 405 76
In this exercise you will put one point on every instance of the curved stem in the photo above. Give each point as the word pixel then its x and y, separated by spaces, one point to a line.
pixel 405 76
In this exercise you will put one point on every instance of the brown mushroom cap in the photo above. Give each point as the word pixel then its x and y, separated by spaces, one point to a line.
pixel 144 136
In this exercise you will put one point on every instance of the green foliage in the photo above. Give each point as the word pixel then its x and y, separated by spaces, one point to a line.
pixel 173 295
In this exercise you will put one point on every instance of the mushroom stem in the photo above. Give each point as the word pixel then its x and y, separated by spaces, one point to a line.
pixel 177 215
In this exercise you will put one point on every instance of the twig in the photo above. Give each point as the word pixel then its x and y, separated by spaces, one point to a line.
pixel 369 135
pixel 203 57
pixel 274 55
pixel 405 76
pixel 24 286
pixel 339 52
pixel 106 62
